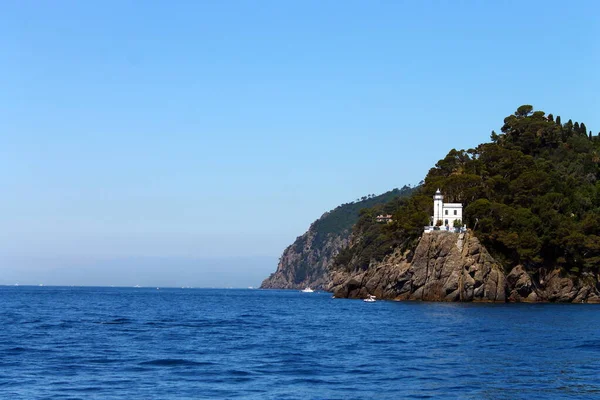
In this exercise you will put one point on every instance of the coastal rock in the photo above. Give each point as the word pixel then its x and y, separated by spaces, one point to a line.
pixel 444 267
pixel 558 288
pixel 565 289
pixel 456 267
pixel 522 287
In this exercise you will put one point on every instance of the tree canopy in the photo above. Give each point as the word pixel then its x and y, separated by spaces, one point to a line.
pixel 532 196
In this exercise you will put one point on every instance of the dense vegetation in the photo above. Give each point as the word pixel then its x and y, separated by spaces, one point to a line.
pixel 343 217
pixel 531 195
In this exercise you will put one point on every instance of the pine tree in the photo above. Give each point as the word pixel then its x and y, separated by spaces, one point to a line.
pixel 524 110
pixel 494 137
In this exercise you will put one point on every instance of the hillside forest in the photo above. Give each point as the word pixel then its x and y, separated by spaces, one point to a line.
pixel 531 195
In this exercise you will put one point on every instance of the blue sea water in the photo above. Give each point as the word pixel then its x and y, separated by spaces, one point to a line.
pixel 127 343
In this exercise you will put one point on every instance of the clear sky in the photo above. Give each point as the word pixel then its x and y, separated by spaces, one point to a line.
pixel 174 134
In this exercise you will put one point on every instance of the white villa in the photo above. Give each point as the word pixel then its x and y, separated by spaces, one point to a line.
pixel 384 218
pixel 445 212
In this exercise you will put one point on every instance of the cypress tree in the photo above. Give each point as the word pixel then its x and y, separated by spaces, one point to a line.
pixel 583 129
pixel 576 127
pixel 558 120
pixel 590 135
pixel 550 117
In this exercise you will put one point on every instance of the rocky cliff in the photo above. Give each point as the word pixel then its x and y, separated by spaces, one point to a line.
pixel 306 262
pixel 456 267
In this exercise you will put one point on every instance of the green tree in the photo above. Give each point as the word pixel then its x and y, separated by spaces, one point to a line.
pixel 524 110
pixel 494 137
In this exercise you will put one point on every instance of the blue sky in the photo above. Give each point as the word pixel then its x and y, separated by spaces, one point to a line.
pixel 219 130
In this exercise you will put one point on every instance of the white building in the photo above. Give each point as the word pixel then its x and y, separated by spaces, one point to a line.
pixel 384 218
pixel 445 212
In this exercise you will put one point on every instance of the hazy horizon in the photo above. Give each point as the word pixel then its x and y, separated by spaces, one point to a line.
pixel 172 133
pixel 236 272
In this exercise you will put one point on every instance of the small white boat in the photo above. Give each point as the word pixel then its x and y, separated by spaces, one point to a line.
pixel 307 290
pixel 370 299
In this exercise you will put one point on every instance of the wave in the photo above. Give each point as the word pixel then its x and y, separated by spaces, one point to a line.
pixel 173 362
pixel 116 321
pixel 589 345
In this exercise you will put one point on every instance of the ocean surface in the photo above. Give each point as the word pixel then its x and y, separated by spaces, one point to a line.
pixel 144 343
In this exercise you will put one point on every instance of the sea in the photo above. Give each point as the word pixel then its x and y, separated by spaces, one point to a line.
pixel 149 343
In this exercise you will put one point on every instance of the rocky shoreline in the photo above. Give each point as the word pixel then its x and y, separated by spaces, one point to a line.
pixel 454 267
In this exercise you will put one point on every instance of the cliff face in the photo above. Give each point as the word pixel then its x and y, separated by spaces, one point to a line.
pixel 444 267
pixel 455 267
pixel 306 261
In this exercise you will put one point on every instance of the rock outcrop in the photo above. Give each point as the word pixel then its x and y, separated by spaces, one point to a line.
pixel 551 286
pixel 444 267
pixel 456 267
pixel 522 287
pixel 556 288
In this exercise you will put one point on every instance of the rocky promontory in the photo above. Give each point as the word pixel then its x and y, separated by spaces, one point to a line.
pixel 449 266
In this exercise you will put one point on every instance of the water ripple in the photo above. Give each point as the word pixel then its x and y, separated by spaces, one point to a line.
pixel 67 343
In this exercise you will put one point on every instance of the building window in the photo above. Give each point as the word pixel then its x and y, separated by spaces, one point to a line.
pixel 455 212
pixel 446 212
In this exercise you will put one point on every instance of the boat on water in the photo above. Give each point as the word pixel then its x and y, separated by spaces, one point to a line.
pixel 307 290
pixel 370 299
